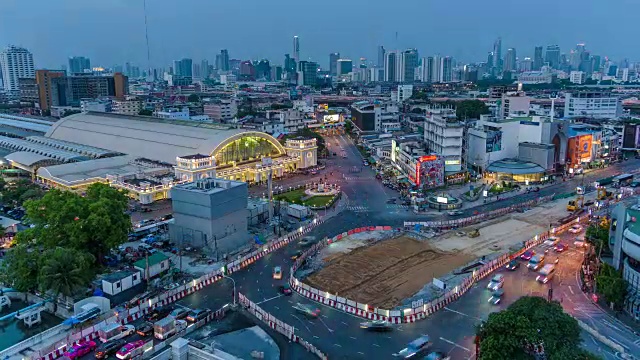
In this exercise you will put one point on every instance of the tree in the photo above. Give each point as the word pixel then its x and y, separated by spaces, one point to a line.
pixel 64 271
pixel 511 333
pixel 193 98
pixel 277 106
pixel 145 112
pixel 611 285
pixel 20 191
pixel 20 268
pixel 469 109
pixel 598 236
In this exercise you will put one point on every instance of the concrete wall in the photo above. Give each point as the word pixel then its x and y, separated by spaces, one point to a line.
pixel 536 153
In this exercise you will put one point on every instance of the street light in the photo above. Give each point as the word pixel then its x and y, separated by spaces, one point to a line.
pixel 234 287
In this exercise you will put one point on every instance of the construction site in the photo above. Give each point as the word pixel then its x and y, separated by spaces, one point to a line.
pixel 382 270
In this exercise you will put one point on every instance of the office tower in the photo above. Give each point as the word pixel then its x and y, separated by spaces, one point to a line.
pixel 490 60
pixel 333 63
pixel 222 61
pixel 538 60
pixel 510 60
pixel 436 65
pixel 1 81
pixel 196 71
pixel 183 67
pixel 71 90
pixel 263 70
pixel 596 63
pixel 276 73
pixel 497 55
pixel 390 64
pixel 552 56
pixel 381 58
pixel 308 73
pixel 525 65
pixel 585 63
pixel 296 49
pixel 344 66
pixel 78 64
pixel 127 69
pixel 446 69
pixel 16 62
pixel 204 69
pixel 43 81
pixel 247 70
pixel 409 65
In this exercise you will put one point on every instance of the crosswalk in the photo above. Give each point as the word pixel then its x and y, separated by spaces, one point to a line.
pixel 397 206
pixel 358 208
pixel 355 178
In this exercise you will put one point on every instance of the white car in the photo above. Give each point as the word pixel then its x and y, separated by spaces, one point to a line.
pixel 575 229
pixel 277 273
pixel 552 241
pixel 496 282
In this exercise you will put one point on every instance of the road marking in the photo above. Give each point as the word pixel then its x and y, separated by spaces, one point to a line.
pixel 303 324
pixel 276 307
pixel 338 345
pixel 593 339
pixel 325 325
pixel 610 325
pixel 352 337
pixel 619 343
pixel 361 353
pixel 316 337
pixel 265 300
pixel 570 289
pixel 290 302
pixel 637 342
pixel 454 344
pixel 376 345
pixel 325 316
pixel 344 323
pixel 463 314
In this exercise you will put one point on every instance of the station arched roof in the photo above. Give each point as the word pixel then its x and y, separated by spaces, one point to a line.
pixel 515 166
pixel 148 137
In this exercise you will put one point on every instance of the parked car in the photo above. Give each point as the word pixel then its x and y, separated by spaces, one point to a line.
pixel 109 348
pixel 80 350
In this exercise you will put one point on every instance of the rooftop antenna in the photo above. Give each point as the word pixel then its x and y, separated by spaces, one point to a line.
pixel 146 35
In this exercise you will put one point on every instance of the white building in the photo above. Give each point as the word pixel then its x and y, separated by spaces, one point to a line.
pixel 221 110
pixel 514 103
pixel 292 119
pixel 96 105
pixel 16 63
pixel 594 104
pixel 443 135
pixel 174 114
pixel 403 93
pixel 120 281
pixel 577 77
pixel 129 106
pixel 535 77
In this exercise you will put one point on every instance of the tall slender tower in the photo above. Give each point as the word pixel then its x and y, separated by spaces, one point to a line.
pixel 296 49
pixel 497 54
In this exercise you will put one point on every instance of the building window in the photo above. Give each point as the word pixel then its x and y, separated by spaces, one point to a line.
pixel 117 285
pixel 162 265
pixel 134 277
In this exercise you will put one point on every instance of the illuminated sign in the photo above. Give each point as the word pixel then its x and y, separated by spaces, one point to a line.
pixel 442 200
pixel 452 162
pixel 427 158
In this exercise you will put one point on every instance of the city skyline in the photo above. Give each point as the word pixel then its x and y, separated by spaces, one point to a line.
pixel 53 41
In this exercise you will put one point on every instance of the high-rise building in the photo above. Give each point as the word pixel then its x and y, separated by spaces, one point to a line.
pixel 79 64
pixel 436 65
pixel 344 66
pixel 538 60
pixel 296 49
pixel 183 67
pixel 510 60
pixel 490 60
pixel 446 69
pixel 525 65
pixel 204 69
pixel 497 55
pixel 307 73
pixel 409 65
pixel 16 63
pixel 333 63
pixel 263 70
pixel 247 70
pixel 43 80
pixel 390 64
pixel 71 90
pixel 381 56
pixel 596 63
pixel 222 61
pixel 552 56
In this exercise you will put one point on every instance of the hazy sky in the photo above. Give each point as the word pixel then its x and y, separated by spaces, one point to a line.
pixel 112 31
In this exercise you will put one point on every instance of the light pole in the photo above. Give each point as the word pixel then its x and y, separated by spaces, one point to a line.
pixel 234 287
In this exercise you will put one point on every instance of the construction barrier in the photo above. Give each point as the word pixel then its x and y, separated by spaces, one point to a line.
pixel 55 351
pixel 283 328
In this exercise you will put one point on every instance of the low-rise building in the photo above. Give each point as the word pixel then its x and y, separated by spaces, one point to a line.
pixel 152 265
pixel 174 114
pixel 221 110
pixel 535 77
pixel 577 77
pixel 443 135
pixel 129 106
pixel 594 104
pixel 375 116
pixel 119 281
pixel 96 105
pixel 424 170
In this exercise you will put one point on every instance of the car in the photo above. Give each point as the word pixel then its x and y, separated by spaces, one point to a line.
pixel 546 273
pixel 159 313
pixel 127 351
pixel 145 329
pixel 437 355
pixel 512 265
pixel 307 310
pixel 180 313
pixel 285 289
pixel 589 203
pixel 551 241
pixel 496 282
pixel 376 325
pixel 277 273
pixel 296 254
pixel 80 350
pixel 197 315
pixel 109 348
pixel 527 255
pixel 496 297
pixel 415 347
pixel 306 241
pixel 575 229
pixel 560 247
pixel 455 212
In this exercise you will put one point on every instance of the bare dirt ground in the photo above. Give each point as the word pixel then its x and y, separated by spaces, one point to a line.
pixel 383 274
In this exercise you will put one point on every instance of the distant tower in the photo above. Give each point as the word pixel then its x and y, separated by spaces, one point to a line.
pixel 296 49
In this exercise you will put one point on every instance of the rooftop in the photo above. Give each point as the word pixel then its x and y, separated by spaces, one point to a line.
pixel 154 259
pixel 209 186
pixel 118 275
pixel 634 227
pixel 515 166
pixel 195 157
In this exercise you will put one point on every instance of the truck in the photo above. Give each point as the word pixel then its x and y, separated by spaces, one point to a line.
pixel 576 204
pixel 167 327
pixel 298 211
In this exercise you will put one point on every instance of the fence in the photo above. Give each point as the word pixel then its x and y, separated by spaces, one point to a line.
pixel 450 224
pixel 278 325
pixel 57 349
pixel 419 310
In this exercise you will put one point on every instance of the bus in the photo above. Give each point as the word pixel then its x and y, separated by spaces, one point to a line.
pixel 546 273
pixel 623 180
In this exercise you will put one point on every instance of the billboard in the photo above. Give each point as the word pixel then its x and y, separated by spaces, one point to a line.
pixel 429 172
pixel 579 149
pixel 332 118
pixel 494 141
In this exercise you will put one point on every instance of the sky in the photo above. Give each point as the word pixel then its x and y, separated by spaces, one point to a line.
pixel 112 32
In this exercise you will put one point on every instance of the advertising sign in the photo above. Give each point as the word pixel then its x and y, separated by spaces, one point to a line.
pixel 494 141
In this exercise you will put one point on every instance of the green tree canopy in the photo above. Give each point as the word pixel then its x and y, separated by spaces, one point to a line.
pixel 20 268
pixel 527 322
pixel 145 112
pixel 598 236
pixel 64 271
pixel 611 285
pixel 469 109
pixel 193 98
pixel 18 192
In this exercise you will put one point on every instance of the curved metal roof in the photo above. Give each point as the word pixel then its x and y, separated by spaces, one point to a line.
pixel 142 136
pixel 28 158
pixel 515 166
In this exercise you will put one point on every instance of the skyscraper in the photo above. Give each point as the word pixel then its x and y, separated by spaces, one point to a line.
pixel 333 63
pixel 16 62
pixel 222 61
pixel 344 66
pixel 409 65
pixel 552 56
pixel 446 69
pixel 204 68
pixel 296 49
pixel 497 55
pixel 381 57
pixel 436 74
pixel 390 63
pixel 510 60
pixel 78 64
pixel 183 67
pixel 596 61
pixel 537 58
